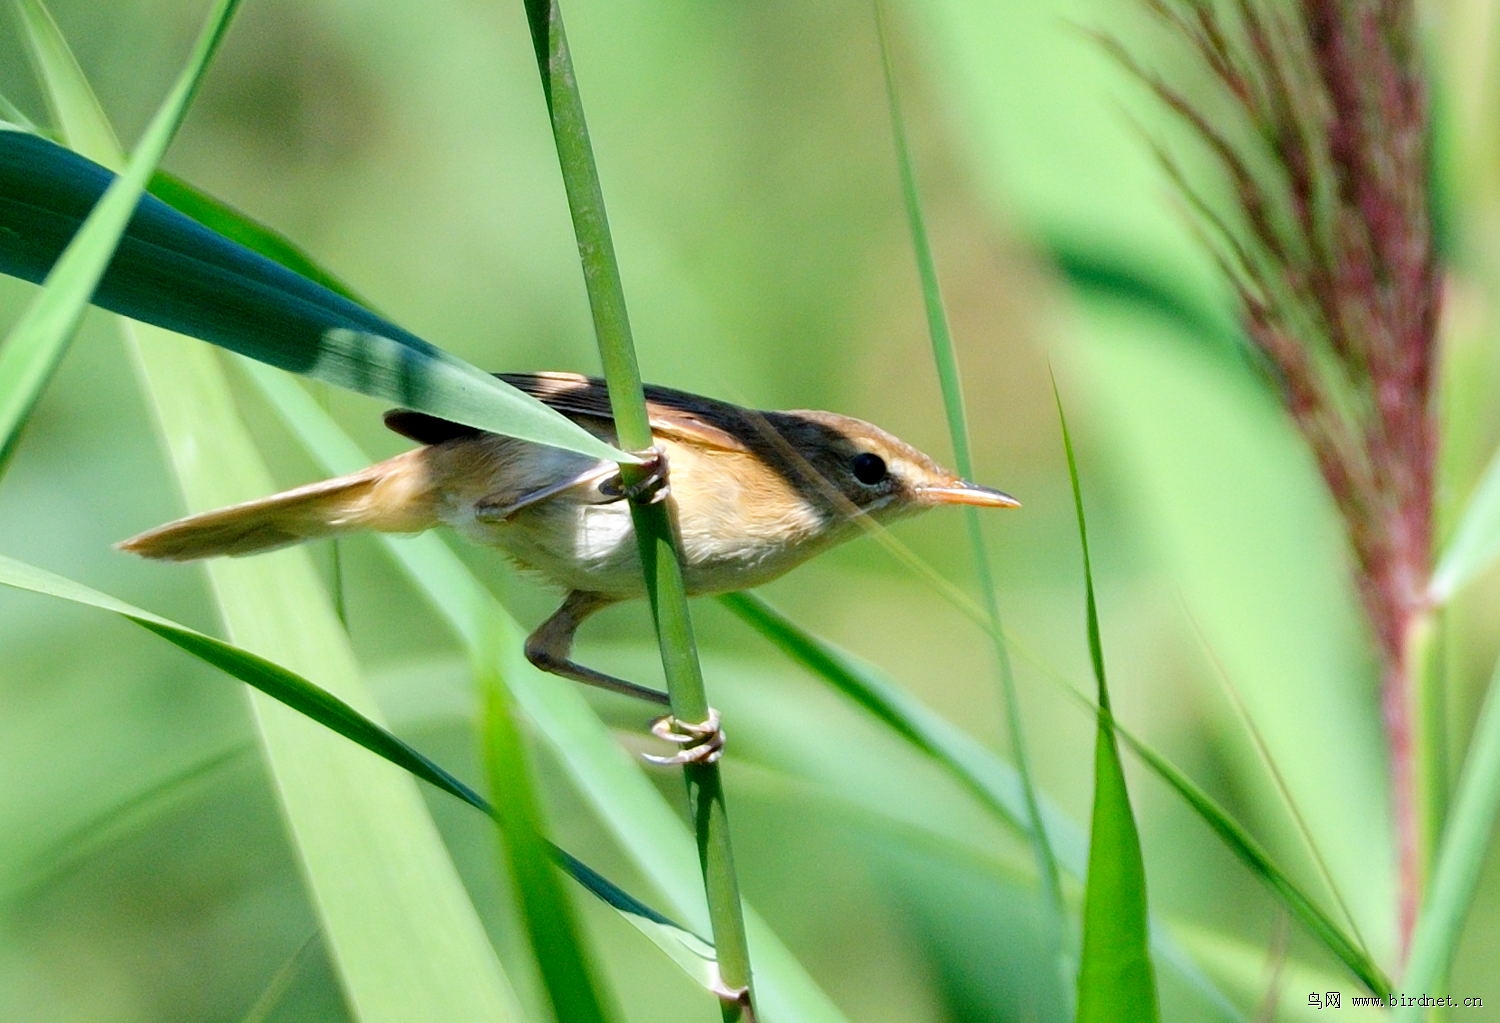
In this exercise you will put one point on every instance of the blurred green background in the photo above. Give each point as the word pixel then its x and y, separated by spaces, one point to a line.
pixel 746 155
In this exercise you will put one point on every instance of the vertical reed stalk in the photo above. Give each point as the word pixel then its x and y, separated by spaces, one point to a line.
pixel 655 524
pixel 945 358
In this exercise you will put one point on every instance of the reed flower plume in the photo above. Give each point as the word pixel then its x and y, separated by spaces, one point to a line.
pixel 1328 245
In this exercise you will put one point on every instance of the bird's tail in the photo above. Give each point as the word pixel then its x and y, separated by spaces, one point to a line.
pixel 391 496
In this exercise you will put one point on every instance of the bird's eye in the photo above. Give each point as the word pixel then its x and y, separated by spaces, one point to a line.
pixel 868 468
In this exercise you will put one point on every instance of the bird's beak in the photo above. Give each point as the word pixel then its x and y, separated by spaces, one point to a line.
pixel 964 492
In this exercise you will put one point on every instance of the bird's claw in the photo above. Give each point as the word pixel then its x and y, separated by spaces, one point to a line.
pixel 702 742
pixel 651 488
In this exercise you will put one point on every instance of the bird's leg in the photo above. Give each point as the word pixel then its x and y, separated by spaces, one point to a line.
pixel 652 487
pixel 550 647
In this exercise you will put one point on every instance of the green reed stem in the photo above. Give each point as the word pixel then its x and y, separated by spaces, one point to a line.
pixel 946 360
pixel 655 524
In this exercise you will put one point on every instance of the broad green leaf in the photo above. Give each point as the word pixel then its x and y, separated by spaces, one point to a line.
pixel 1116 983
pixel 173 272
pixel 37 341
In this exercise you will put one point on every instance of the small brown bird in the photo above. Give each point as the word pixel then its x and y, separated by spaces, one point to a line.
pixel 757 494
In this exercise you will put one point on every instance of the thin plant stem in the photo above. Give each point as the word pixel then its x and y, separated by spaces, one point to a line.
pixel 655 523
pixel 946 360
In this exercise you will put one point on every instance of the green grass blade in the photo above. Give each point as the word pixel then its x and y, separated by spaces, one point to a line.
pixel 1115 978
pixel 694 956
pixel 275 681
pixel 371 931
pixel 1250 852
pixel 680 945
pixel 70 98
pixel 362 834
pixel 11 114
pixel 37 341
pixel 1475 543
pixel 1350 939
pixel 946 359
pixel 625 798
pixel 998 786
pixel 317 704
pixel 557 942
pixel 989 779
pixel 1460 858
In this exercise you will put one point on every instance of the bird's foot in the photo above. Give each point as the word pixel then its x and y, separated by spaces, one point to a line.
pixel 651 487
pixel 702 742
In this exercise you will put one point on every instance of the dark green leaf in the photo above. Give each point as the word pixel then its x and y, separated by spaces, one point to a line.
pixel 173 272
pixel 1116 983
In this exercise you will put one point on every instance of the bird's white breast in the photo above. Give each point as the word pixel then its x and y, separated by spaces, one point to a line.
pixel 580 539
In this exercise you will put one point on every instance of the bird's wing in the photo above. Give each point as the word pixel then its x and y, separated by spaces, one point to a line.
pixel 675 414
pixel 499 507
